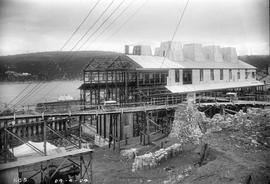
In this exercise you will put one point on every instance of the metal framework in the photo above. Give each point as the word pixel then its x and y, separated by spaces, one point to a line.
pixel 68 167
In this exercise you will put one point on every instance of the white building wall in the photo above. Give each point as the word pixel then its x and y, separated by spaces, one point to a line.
pixel 242 75
pixel 234 75
pixel 196 77
pixel 171 78
pixel 181 77
pixel 207 76
pixel 226 75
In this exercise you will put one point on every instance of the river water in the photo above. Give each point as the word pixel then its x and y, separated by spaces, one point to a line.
pixel 30 93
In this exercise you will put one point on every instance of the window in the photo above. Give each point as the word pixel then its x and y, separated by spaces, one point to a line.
pixel 201 74
pixel 163 77
pixel 230 74
pixel 95 77
pixel 157 78
pixel 253 75
pixel 176 75
pixel 221 74
pixel 151 77
pixel 238 74
pixel 212 74
pixel 187 76
pixel 146 78
pixel 86 76
pixel 246 73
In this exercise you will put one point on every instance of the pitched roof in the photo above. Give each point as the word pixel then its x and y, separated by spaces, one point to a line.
pixel 157 62
pixel 119 62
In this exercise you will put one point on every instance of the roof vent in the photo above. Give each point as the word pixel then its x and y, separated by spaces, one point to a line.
pixel 213 53
pixel 127 49
pixel 171 50
pixel 229 54
pixel 144 50
pixel 193 52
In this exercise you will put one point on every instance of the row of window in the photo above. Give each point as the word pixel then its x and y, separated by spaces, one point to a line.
pixel 221 74
pixel 108 76
pixel 147 78
pixel 187 76
pixel 118 76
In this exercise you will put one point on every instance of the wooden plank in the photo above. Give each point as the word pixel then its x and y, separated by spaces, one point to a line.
pixel 94 112
pixel 38 159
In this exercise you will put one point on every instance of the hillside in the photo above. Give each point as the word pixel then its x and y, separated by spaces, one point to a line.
pixel 69 65
pixel 50 65
pixel 262 62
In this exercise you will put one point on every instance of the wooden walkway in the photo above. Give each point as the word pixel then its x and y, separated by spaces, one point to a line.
pixel 115 110
pixel 239 102
pixel 94 112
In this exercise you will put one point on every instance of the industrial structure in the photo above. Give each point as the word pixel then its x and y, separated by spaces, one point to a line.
pixel 166 78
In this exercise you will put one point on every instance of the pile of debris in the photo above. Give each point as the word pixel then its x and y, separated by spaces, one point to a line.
pixel 254 124
pixel 151 160
pixel 129 153
pixel 186 126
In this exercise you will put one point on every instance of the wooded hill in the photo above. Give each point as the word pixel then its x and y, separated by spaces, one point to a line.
pixel 51 65
pixel 69 65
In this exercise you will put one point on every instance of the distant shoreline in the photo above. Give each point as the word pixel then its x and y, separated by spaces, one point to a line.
pixel 38 81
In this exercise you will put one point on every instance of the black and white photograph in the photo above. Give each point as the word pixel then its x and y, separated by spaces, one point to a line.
pixel 134 92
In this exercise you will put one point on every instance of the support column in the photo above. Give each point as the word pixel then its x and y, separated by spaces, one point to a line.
pixel 104 125
pixel 100 125
pixel 110 130
pixel 80 131
pixel 5 141
pixel 45 136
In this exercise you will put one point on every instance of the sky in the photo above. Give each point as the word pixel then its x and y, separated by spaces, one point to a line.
pixel 45 25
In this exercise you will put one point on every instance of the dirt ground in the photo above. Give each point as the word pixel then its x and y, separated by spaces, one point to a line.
pixel 231 159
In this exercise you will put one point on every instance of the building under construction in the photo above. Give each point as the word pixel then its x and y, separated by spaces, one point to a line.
pixel 174 72
pixel 133 95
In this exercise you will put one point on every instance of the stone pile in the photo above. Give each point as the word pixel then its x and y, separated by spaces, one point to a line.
pixel 151 160
pixel 130 153
pixel 186 125
pixel 255 124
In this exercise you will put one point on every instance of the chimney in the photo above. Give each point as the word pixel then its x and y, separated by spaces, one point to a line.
pixel 144 50
pixel 127 49
pixel 172 50
pixel 157 51
pixel 229 54
pixel 193 52
pixel 213 53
